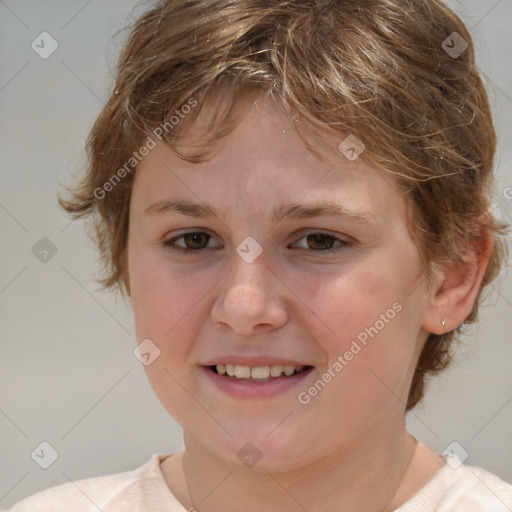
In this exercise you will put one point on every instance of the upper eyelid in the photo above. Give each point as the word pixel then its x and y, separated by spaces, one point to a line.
pixel 190 231
pixel 304 232
pixel 308 231
pixel 181 235
pixel 342 241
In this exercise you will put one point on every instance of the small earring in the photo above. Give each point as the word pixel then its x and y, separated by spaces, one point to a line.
pixel 443 323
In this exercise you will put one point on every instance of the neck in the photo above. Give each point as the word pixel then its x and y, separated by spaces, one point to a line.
pixel 364 476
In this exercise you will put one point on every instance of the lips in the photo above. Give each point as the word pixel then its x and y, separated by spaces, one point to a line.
pixel 254 380
pixel 260 372
pixel 258 377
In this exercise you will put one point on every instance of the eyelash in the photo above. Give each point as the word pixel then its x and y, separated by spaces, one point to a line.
pixel 171 242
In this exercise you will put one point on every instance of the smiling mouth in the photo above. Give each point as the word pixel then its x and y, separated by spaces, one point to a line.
pixel 257 373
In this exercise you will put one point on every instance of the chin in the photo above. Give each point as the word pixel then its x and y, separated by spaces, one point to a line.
pixel 253 451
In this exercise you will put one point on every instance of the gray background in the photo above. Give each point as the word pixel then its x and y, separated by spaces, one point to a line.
pixel 68 375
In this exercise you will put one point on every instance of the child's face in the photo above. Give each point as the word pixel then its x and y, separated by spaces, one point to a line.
pixel 298 302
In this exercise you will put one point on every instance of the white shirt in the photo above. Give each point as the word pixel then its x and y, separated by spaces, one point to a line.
pixel 454 488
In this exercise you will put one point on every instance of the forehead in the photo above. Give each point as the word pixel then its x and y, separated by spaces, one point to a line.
pixel 261 117
pixel 263 160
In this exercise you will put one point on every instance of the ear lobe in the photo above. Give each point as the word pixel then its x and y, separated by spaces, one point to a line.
pixel 452 297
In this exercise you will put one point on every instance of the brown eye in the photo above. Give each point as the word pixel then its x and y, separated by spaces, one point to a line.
pixel 192 241
pixel 196 240
pixel 320 241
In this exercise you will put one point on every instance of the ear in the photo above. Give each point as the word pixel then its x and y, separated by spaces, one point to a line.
pixel 456 288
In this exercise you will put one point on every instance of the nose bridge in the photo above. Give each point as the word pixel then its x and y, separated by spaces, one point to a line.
pixel 247 300
pixel 248 281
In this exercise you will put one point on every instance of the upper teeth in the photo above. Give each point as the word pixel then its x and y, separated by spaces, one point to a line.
pixel 258 372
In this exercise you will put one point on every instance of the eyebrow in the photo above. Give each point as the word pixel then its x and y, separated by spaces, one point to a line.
pixel 293 211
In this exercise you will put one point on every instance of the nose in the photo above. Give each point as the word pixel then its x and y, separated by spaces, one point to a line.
pixel 250 299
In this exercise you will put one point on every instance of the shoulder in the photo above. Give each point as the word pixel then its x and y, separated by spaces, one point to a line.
pixel 460 488
pixel 82 495
pixel 91 494
pixel 475 489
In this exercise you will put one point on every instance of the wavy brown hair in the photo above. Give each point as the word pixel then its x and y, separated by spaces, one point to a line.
pixel 374 68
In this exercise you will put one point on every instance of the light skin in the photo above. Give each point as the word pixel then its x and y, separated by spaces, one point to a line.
pixel 298 300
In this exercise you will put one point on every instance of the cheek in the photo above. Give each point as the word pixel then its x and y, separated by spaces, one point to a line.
pixel 372 320
pixel 164 303
pixel 347 303
pixel 167 307
pixel 162 295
